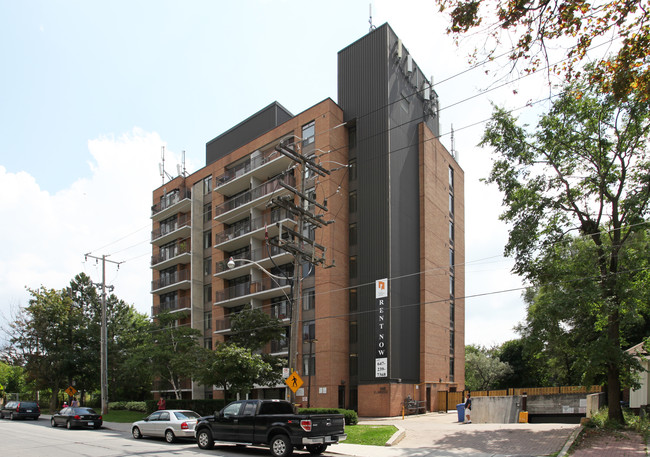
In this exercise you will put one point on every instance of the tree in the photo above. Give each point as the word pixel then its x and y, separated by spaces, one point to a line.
pixel 526 365
pixel 483 369
pixel 252 328
pixel 536 25
pixel 234 368
pixel 173 351
pixel 584 169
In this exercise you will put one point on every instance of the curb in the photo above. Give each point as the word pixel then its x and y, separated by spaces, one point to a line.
pixel 397 436
pixel 570 441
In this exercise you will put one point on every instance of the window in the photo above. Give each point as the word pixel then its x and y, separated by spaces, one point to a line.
pixel 207 266
pixel 352 296
pixel 309 364
pixel 207 212
pixel 207 185
pixel 352 234
pixel 207 239
pixel 307 270
pixel 452 313
pixel 207 293
pixel 353 267
pixel 309 231
pixel 451 231
pixel 167 251
pixel 309 299
pixel 279 308
pixel 308 136
pixel 207 343
pixel 352 139
pixel 168 301
pixel 452 263
pixel 451 341
pixel 168 225
pixel 451 204
pixel 451 285
pixel 352 202
pixel 207 320
pixel 451 179
pixel 451 368
pixel 352 170
pixel 353 335
pixel 308 330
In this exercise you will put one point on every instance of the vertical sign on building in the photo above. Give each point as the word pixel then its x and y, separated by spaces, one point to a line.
pixel 381 350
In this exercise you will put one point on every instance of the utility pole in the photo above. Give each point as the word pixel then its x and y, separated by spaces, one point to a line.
pixel 301 247
pixel 104 332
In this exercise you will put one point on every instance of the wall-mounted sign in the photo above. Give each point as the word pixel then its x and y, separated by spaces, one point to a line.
pixel 381 345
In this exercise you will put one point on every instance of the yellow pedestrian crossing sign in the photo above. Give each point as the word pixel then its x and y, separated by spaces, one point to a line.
pixel 294 382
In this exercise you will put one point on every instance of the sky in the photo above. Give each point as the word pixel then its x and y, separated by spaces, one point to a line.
pixel 91 92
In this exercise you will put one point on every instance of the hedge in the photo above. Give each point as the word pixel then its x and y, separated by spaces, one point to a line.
pixel 351 417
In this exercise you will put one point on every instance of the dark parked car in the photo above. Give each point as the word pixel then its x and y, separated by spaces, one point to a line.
pixel 77 417
pixel 20 410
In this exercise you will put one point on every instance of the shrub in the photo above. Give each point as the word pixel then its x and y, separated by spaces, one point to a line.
pixel 351 417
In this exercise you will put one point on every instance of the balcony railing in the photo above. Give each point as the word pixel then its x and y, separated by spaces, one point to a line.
pixel 252 225
pixel 279 346
pixel 222 325
pixel 183 220
pixel 254 194
pixel 251 287
pixel 182 247
pixel 168 280
pixel 256 256
pixel 170 200
pixel 248 165
pixel 176 304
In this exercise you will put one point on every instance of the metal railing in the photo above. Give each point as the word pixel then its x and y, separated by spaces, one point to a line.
pixel 251 287
pixel 254 256
pixel 252 225
pixel 253 194
pixel 171 199
pixel 182 247
pixel 168 280
pixel 182 221
pixel 176 304
pixel 252 163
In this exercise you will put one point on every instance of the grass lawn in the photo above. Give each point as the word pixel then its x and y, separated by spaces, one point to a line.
pixel 119 415
pixel 372 435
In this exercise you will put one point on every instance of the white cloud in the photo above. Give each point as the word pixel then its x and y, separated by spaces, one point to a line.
pixel 46 235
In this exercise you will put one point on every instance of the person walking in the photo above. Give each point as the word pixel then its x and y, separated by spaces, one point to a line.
pixel 468 408
pixel 161 403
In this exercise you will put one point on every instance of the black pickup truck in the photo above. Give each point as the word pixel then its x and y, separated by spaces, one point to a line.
pixel 270 423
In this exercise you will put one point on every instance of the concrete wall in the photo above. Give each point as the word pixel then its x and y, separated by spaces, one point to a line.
pixel 496 410
pixel 505 410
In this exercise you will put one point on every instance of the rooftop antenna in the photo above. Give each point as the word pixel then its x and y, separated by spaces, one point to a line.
pixel 161 166
pixel 454 154
pixel 372 27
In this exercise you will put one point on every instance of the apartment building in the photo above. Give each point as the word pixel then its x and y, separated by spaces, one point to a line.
pixel 381 316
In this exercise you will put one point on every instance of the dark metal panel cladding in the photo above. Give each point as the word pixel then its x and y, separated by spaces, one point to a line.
pixel 362 93
pixel 406 112
pixel 246 131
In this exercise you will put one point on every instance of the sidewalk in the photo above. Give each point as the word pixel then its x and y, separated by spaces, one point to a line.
pixel 621 444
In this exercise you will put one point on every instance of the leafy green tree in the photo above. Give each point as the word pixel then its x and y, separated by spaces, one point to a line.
pixel 12 379
pixel 584 169
pixel 173 351
pixel 483 369
pixel 538 25
pixel 252 328
pixel 527 370
pixel 234 368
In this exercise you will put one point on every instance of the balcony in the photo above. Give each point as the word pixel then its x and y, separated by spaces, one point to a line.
pixel 179 280
pixel 176 306
pixel 234 237
pixel 259 165
pixel 260 256
pixel 182 228
pixel 180 253
pixel 231 210
pixel 242 293
pixel 280 347
pixel 172 203
pixel 222 325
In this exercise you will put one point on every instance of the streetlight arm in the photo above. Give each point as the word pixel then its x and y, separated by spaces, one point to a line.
pixel 231 265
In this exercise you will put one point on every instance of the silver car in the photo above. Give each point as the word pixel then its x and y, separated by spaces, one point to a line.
pixel 167 423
